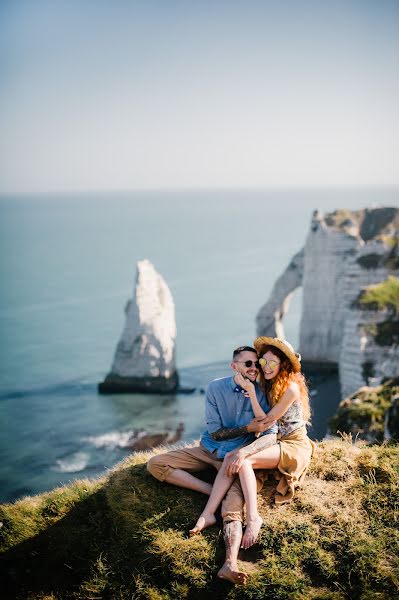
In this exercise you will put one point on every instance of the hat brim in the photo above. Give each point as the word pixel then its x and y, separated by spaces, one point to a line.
pixel 263 341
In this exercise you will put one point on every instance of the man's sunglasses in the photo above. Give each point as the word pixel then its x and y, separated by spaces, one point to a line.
pixel 249 363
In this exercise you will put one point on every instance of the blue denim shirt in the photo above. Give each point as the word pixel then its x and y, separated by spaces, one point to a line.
pixel 227 406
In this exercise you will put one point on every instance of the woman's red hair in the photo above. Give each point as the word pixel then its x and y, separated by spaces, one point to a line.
pixel 276 387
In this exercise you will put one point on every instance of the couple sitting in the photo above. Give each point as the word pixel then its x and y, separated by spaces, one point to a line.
pixel 241 439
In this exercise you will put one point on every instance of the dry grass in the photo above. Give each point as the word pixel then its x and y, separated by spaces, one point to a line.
pixel 126 536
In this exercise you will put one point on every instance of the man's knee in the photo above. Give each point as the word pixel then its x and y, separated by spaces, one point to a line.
pixel 157 467
pixel 229 516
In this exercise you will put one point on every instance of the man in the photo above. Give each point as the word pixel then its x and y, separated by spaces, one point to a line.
pixel 230 426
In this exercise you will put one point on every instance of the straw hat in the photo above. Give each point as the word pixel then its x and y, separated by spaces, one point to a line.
pixel 283 345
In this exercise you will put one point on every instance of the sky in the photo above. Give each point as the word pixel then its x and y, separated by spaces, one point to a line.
pixel 137 94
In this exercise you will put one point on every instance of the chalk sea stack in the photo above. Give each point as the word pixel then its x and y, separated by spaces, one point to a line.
pixel 346 254
pixel 145 355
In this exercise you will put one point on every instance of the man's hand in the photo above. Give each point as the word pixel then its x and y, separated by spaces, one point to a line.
pixel 258 425
pixel 233 461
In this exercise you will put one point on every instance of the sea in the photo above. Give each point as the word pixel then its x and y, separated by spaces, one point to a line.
pixel 67 269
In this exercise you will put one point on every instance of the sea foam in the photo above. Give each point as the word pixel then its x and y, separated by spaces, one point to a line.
pixel 73 463
pixel 114 439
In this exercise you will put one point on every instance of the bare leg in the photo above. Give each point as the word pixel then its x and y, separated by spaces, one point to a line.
pixel 220 486
pixel 232 533
pixel 265 459
pixel 186 480
pixel 254 520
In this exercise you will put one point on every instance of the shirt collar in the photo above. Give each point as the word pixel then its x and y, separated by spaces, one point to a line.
pixel 235 387
pixel 238 388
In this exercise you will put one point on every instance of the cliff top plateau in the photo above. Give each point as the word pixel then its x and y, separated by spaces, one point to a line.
pixel 367 224
pixel 125 536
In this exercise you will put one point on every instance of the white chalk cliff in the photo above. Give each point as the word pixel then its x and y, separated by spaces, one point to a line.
pixel 270 317
pixel 345 252
pixel 145 355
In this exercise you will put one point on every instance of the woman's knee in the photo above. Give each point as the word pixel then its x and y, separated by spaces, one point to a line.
pixel 247 464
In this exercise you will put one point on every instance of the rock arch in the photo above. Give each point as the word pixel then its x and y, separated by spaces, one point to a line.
pixel 269 320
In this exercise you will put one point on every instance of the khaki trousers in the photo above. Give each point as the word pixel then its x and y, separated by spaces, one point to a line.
pixel 198 458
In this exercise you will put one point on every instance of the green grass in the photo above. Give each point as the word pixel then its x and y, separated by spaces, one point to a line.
pixel 125 536
pixel 384 295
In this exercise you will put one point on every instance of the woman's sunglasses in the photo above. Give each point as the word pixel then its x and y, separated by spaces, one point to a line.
pixel 272 363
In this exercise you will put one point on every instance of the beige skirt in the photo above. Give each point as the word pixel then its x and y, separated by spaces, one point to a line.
pixel 296 451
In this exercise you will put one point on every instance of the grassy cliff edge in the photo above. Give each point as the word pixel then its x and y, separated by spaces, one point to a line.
pixel 125 536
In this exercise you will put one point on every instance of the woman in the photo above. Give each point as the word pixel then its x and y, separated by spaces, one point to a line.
pixel 285 386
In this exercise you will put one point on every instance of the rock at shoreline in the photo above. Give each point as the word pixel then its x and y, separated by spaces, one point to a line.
pixel 145 357
pixel 143 440
pixel 345 253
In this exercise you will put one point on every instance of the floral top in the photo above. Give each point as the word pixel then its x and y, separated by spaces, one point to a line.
pixel 292 419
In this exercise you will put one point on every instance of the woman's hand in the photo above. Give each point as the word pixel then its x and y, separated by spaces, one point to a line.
pixel 259 425
pixel 233 462
pixel 267 422
pixel 246 384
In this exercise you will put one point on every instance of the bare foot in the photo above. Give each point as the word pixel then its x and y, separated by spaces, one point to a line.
pixel 251 532
pixel 203 522
pixel 229 573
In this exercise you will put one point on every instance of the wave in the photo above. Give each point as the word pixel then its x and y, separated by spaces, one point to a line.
pixel 114 439
pixel 73 463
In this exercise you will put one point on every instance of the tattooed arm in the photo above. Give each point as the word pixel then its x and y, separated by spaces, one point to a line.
pixel 234 459
pixel 228 433
pixel 260 444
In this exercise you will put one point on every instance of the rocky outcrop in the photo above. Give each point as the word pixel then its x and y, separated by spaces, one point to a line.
pixel 371 413
pixel 370 344
pixel 142 440
pixel 145 355
pixel 391 421
pixel 345 252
